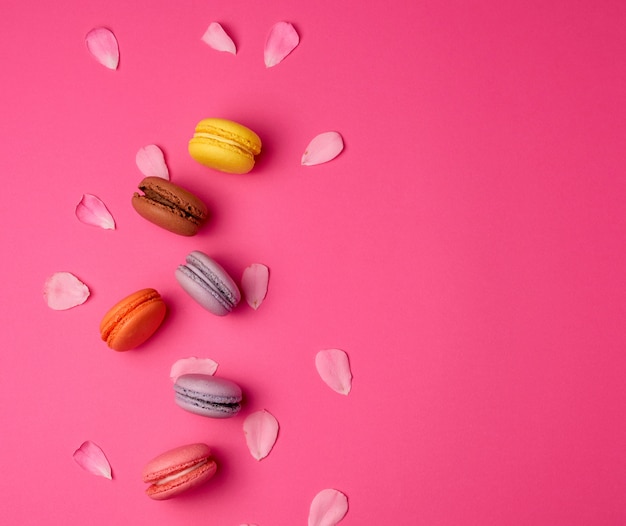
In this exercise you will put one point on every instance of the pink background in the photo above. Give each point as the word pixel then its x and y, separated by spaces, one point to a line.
pixel 466 250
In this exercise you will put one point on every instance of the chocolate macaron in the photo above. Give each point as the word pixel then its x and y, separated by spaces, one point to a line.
pixel 169 206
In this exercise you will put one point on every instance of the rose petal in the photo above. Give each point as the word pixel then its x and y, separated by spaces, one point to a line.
pixel 254 284
pixel 328 508
pixel 261 430
pixel 102 44
pixel 63 290
pixel 151 162
pixel 281 40
pixel 218 39
pixel 323 148
pixel 91 458
pixel 92 211
pixel 193 365
pixel 333 367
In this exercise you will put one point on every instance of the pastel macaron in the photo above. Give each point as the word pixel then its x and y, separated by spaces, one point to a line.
pixel 169 206
pixel 208 395
pixel 208 283
pixel 224 145
pixel 178 470
pixel 132 320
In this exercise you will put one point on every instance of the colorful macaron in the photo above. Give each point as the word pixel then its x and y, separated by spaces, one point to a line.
pixel 131 321
pixel 169 206
pixel 208 283
pixel 225 146
pixel 207 395
pixel 178 470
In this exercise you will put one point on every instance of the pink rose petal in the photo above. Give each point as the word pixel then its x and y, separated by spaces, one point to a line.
pixel 102 44
pixel 92 211
pixel 328 508
pixel 261 430
pixel 281 40
pixel 323 148
pixel 151 162
pixel 254 284
pixel 63 290
pixel 91 458
pixel 218 39
pixel 333 367
pixel 193 365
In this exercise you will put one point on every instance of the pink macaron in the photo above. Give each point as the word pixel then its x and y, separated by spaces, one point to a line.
pixel 178 470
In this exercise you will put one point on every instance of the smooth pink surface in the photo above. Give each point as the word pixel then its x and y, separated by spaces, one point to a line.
pixel 466 250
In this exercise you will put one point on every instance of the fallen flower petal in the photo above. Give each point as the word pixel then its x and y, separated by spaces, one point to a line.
pixel 254 284
pixel 261 430
pixel 92 211
pixel 193 365
pixel 328 508
pixel 102 44
pixel 63 290
pixel 323 148
pixel 151 162
pixel 91 458
pixel 333 367
pixel 218 39
pixel 281 40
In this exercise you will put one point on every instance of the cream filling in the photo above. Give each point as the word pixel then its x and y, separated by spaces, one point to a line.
pixel 179 474
pixel 219 138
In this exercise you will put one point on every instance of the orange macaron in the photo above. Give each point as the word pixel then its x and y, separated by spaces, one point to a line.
pixel 131 321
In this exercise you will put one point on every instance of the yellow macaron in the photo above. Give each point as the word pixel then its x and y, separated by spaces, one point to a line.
pixel 224 145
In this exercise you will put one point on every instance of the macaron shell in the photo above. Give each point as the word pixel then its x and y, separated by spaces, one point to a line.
pixel 133 320
pixel 225 145
pixel 169 206
pixel 192 279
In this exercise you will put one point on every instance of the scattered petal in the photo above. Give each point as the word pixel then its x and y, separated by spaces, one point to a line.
pixel 193 365
pixel 328 508
pixel 254 284
pixel 333 367
pixel 261 430
pixel 63 291
pixel 102 44
pixel 92 211
pixel 281 40
pixel 91 458
pixel 218 39
pixel 323 148
pixel 151 162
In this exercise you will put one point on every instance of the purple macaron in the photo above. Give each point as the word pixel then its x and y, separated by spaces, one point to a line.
pixel 208 283
pixel 207 395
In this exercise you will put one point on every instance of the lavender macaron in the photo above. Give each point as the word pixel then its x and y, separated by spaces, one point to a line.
pixel 208 283
pixel 207 395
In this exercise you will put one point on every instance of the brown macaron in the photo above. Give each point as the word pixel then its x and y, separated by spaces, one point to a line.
pixel 169 206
